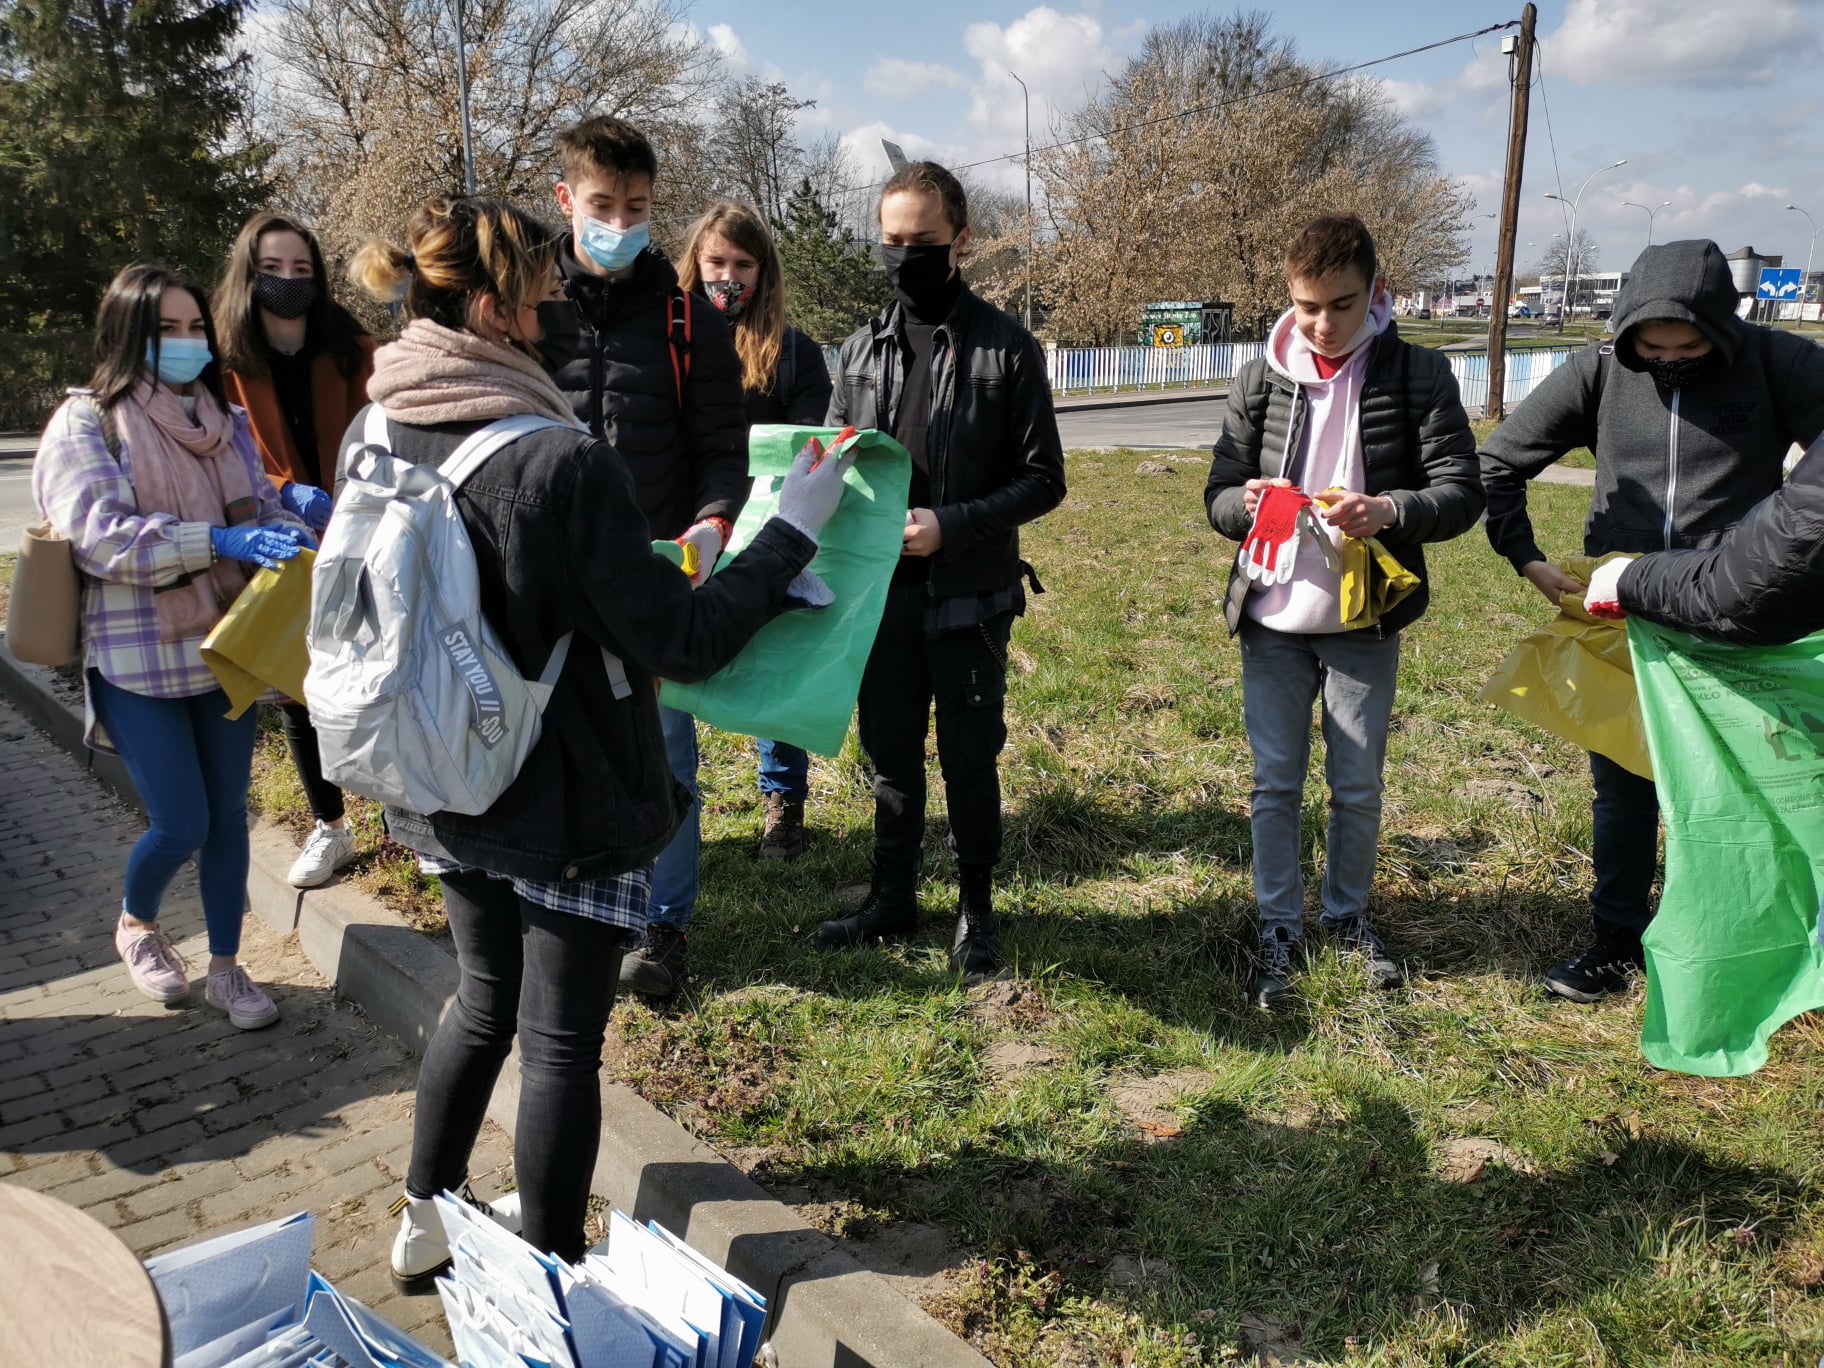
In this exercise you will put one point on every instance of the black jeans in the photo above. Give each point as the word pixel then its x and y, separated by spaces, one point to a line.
pixel 325 798
pixel 965 673
pixel 1626 844
pixel 551 975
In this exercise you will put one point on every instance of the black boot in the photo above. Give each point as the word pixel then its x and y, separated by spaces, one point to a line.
pixel 1602 969
pixel 976 952
pixel 890 913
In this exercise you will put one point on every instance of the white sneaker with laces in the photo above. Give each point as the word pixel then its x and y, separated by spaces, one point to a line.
pixel 421 1249
pixel 326 850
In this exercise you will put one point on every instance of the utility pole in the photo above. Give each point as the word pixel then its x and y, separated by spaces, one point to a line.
pixel 1521 67
pixel 1028 102
pixel 462 95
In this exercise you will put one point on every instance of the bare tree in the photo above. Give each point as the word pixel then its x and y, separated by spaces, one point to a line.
pixel 753 140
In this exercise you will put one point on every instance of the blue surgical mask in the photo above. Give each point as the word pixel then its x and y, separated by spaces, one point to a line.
pixel 613 249
pixel 179 359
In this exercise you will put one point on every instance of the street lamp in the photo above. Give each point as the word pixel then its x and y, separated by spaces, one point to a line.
pixel 1805 280
pixel 462 95
pixel 1026 96
pixel 1652 213
pixel 1570 242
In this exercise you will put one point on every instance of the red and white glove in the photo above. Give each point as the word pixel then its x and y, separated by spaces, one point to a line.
pixel 1603 600
pixel 708 537
pixel 1271 548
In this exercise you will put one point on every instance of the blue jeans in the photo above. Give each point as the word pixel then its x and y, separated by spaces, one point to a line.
pixel 191 766
pixel 674 873
pixel 784 769
pixel 1282 675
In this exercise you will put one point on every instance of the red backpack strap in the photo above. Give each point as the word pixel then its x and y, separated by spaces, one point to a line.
pixel 677 326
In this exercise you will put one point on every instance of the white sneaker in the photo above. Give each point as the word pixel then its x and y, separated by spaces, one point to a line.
pixel 326 850
pixel 421 1250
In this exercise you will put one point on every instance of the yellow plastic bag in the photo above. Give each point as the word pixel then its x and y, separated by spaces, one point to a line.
pixel 259 643
pixel 1373 581
pixel 1576 680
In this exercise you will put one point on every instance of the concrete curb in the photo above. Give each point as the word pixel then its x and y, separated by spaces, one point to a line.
pixel 1068 404
pixel 825 1310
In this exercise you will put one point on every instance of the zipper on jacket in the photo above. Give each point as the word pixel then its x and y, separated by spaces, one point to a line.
pixel 1672 467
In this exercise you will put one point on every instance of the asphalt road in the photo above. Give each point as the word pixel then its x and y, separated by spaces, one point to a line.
pixel 1194 423
pixel 16 510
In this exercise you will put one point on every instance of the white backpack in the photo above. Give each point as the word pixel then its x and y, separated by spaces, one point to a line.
pixel 413 699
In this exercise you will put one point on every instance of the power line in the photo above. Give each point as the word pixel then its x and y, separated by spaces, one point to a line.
pixel 1557 175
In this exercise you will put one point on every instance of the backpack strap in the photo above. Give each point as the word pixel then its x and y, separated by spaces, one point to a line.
pixel 788 368
pixel 677 329
pixel 475 450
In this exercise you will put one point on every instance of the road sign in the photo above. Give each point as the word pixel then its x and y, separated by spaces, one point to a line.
pixel 1779 282
pixel 1168 335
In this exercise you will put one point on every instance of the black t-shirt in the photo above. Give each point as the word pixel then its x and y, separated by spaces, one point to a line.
pixel 291 382
pixel 912 424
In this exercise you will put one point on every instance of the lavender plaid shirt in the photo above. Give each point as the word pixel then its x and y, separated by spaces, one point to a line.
pixel 125 554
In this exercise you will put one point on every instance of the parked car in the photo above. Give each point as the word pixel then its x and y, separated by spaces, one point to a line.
pixel 1425 314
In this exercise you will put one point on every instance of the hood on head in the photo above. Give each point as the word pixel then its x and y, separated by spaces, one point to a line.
pixel 1684 282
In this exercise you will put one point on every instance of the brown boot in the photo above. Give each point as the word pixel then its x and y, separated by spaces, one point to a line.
pixel 783 837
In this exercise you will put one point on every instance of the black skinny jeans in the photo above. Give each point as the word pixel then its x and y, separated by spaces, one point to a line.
pixel 552 976
pixel 325 798
pixel 964 673
pixel 1625 845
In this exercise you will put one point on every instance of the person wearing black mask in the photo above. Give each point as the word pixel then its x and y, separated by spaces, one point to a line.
pixel 1690 411
pixel 963 388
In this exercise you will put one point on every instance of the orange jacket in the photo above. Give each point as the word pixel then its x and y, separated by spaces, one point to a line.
pixel 334 398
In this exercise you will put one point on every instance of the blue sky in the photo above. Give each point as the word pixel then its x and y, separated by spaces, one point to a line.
pixel 1715 107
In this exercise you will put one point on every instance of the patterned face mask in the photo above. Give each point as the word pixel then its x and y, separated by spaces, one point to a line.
pixel 730 296
pixel 284 296
pixel 1677 372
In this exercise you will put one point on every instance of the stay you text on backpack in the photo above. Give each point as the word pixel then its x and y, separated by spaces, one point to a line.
pixel 413 699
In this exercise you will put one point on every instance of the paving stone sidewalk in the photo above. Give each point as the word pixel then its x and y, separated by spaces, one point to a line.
pixel 168 1124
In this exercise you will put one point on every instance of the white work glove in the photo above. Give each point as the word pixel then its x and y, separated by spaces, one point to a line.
pixel 1603 598
pixel 813 487
pixel 707 538
pixel 808 591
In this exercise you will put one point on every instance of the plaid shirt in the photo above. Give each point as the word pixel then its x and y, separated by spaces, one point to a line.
pixel 125 554
pixel 619 900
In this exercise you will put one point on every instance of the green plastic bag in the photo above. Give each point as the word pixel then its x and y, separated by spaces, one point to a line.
pixel 798 679
pixel 1737 737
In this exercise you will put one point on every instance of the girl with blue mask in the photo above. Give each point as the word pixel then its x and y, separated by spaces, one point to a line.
pixel 156 482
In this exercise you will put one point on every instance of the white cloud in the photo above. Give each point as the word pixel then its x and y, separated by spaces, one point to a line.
pixel 729 47
pixel 894 78
pixel 1680 42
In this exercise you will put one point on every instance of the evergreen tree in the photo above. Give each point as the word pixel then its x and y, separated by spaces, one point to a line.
pixel 833 285
pixel 117 130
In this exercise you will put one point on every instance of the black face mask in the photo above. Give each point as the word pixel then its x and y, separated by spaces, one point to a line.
pixel 563 334
pixel 920 274
pixel 1677 372
pixel 284 296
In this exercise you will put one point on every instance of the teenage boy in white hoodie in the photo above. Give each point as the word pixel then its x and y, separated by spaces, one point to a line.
pixel 1339 406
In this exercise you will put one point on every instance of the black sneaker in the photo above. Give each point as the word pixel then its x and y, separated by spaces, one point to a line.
pixel 1356 937
pixel 1604 968
pixel 976 951
pixel 655 967
pixel 1273 969
pixel 890 913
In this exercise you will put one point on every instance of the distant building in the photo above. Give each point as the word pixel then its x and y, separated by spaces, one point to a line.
pixel 1593 293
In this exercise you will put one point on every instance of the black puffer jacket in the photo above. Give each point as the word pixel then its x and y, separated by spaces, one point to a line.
pixel 1675 469
pixel 993 448
pixel 687 464
pixel 1762 585
pixel 561 545
pixel 1417 450
pixel 800 392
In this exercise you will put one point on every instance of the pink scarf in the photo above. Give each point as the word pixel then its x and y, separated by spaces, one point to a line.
pixel 191 469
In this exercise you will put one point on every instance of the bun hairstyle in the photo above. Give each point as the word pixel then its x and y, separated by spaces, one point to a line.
pixel 459 250
pixel 760 331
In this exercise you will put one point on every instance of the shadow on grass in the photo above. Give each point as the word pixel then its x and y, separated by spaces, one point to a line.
pixel 1341 1229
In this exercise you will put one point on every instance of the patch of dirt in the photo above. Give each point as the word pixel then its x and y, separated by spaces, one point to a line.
pixel 1007 1002
pixel 919 1260
pixel 1502 791
pixel 1132 1271
pixel 1270 1344
pixel 1022 661
pixel 1154 468
pixel 1011 1059
pixel 1148 1103
pixel 1146 698
pixel 1466 1159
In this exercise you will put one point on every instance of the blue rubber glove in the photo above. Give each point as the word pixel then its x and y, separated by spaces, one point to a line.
pixel 308 502
pixel 264 546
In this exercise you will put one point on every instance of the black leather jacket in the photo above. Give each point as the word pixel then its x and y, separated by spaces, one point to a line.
pixel 561 545
pixel 993 448
pixel 1417 449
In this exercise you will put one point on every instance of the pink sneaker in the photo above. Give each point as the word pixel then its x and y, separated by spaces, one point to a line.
pixel 157 969
pixel 245 1001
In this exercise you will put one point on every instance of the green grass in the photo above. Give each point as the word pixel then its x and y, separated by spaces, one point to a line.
pixel 1638 1217
pixel 1578 458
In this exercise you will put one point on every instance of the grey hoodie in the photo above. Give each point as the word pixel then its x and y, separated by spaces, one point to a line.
pixel 1674 468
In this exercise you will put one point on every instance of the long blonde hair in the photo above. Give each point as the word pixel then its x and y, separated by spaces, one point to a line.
pixel 760 330
pixel 460 249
